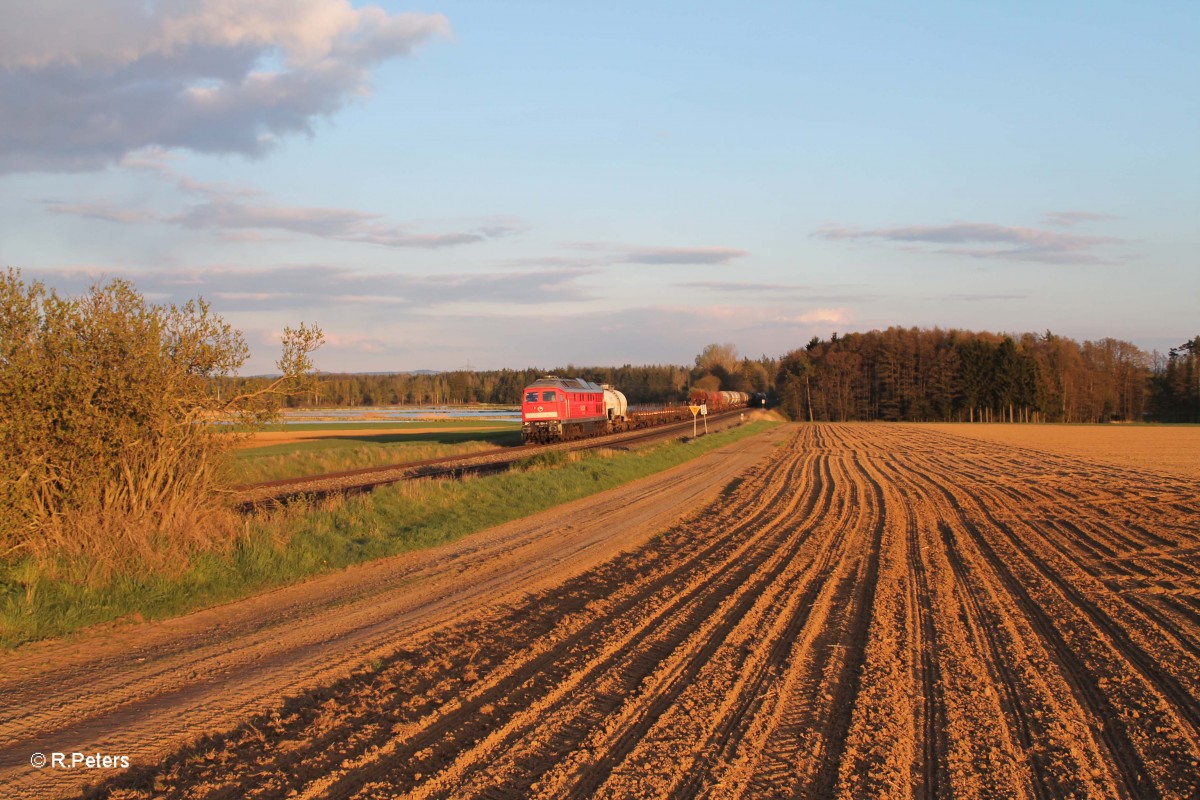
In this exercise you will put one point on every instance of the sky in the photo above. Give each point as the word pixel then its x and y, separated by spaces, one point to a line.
pixel 509 185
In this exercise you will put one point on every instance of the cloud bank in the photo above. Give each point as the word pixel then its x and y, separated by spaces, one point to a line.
pixel 230 212
pixel 987 241
pixel 330 223
pixel 323 287
pixel 83 84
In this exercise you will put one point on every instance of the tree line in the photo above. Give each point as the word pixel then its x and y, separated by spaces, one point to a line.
pixel 917 374
pixel 899 374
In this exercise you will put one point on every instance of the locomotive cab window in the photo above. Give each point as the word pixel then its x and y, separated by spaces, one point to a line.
pixel 531 397
pixel 549 397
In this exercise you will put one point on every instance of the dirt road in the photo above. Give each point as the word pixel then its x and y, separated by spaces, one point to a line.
pixel 867 611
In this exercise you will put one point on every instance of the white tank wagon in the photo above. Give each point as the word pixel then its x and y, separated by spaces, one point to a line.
pixel 616 407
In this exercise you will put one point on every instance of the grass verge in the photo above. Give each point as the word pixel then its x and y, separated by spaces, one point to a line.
pixel 298 542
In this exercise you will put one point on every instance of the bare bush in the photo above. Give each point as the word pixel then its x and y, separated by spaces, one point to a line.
pixel 110 434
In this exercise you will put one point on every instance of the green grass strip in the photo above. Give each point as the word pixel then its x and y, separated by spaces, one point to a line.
pixel 297 543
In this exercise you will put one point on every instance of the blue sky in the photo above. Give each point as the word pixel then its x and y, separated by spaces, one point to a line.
pixel 507 185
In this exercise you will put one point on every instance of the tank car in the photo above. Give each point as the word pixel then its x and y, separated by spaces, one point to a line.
pixel 718 401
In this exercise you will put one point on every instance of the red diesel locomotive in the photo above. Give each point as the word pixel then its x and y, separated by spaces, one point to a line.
pixel 555 409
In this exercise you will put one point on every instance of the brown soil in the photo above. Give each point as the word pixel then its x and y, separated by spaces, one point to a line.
pixel 866 611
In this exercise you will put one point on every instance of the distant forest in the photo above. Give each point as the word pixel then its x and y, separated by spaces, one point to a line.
pixel 911 374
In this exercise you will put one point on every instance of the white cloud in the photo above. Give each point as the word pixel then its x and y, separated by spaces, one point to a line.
pixel 84 84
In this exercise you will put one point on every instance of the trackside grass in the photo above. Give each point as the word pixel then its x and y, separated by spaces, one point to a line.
pixel 303 540
pixel 356 450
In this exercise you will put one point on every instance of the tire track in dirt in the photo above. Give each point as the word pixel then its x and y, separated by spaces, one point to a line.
pixel 881 746
pixel 520 762
pixel 1145 736
pixel 1030 702
pixel 820 721
pixel 789 720
pixel 686 598
pixel 676 756
pixel 1110 610
pixel 1134 641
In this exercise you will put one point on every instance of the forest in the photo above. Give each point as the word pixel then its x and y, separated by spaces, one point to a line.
pixel 900 374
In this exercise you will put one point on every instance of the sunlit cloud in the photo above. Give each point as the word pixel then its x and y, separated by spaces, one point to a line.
pixel 834 316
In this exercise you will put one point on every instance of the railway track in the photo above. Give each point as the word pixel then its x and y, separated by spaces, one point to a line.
pixel 250 497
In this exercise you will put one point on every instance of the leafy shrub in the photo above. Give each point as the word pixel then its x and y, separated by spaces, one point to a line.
pixel 110 447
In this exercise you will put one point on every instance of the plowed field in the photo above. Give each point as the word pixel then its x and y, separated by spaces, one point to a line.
pixel 864 611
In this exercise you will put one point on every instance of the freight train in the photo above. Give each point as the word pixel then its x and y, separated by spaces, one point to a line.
pixel 555 409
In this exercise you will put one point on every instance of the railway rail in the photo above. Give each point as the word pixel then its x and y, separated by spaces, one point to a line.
pixel 272 493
